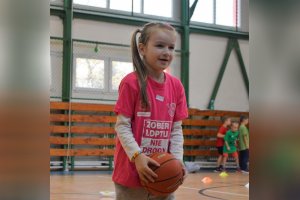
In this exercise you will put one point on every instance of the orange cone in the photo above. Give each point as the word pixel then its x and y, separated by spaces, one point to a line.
pixel 206 180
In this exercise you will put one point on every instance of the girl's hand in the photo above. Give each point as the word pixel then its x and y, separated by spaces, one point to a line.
pixel 228 148
pixel 142 163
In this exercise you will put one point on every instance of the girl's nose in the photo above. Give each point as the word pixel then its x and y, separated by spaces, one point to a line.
pixel 167 51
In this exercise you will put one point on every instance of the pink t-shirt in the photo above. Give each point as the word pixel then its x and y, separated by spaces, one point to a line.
pixel 151 129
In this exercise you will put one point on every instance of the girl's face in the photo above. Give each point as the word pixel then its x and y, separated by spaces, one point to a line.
pixel 158 52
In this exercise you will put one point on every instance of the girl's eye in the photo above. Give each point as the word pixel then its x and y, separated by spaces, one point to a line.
pixel 171 48
pixel 160 45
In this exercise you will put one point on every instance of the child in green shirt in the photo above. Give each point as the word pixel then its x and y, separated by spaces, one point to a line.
pixel 230 143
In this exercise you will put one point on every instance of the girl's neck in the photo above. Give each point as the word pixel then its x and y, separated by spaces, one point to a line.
pixel 157 76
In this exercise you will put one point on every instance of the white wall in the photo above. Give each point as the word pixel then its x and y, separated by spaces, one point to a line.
pixel 102 31
pixel 105 32
pixel 206 56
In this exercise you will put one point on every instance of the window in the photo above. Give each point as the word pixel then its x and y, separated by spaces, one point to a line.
pixel 94 3
pixel 217 12
pixel 119 70
pixel 99 75
pixel 125 5
pixel 204 11
pixel 137 6
pixel 96 75
pixel 148 7
pixel 89 73
pixel 158 7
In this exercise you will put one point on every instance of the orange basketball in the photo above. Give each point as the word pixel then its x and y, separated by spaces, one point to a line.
pixel 170 174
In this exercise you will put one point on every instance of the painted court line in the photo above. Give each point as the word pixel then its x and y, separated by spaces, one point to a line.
pixel 107 177
pixel 190 188
pixel 215 191
pixel 72 193
pixel 230 193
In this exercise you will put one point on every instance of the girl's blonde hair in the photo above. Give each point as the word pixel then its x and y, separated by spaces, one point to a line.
pixel 138 64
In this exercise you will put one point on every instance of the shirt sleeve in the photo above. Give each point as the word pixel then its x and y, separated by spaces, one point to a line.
pixel 221 130
pixel 176 141
pixel 181 106
pixel 242 131
pixel 125 135
pixel 126 101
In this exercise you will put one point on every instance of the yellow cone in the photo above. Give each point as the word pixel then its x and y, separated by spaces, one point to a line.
pixel 107 194
pixel 223 174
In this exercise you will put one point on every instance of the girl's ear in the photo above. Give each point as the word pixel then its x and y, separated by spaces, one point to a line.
pixel 141 49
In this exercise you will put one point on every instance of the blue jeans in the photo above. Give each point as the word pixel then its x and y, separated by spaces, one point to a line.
pixel 244 158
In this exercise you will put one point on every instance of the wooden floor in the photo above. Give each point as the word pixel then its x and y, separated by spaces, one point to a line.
pixel 87 185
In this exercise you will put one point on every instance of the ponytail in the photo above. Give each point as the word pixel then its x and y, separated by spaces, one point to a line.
pixel 140 69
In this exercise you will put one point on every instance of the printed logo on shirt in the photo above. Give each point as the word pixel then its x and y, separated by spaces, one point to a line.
pixel 156 136
pixel 171 109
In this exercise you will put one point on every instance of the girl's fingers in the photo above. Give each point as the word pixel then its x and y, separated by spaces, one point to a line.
pixel 143 179
pixel 148 177
pixel 146 174
pixel 153 162
pixel 150 173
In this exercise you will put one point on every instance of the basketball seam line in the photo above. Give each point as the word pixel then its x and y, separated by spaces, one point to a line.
pixel 164 163
pixel 166 188
pixel 167 178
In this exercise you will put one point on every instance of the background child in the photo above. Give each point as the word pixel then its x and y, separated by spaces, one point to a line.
pixel 230 143
pixel 220 142
pixel 149 101
pixel 244 144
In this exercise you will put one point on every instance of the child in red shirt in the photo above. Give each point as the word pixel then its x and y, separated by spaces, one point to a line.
pixel 220 143
pixel 150 110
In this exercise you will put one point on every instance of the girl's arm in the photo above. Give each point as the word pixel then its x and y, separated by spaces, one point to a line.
pixel 243 133
pixel 125 135
pixel 220 135
pixel 245 141
pixel 176 145
pixel 133 151
pixel 227 146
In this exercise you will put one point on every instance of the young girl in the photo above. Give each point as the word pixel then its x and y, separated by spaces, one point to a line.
pixel 149 110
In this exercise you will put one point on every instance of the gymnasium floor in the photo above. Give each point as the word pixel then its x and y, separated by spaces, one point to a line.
pixel 87 185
